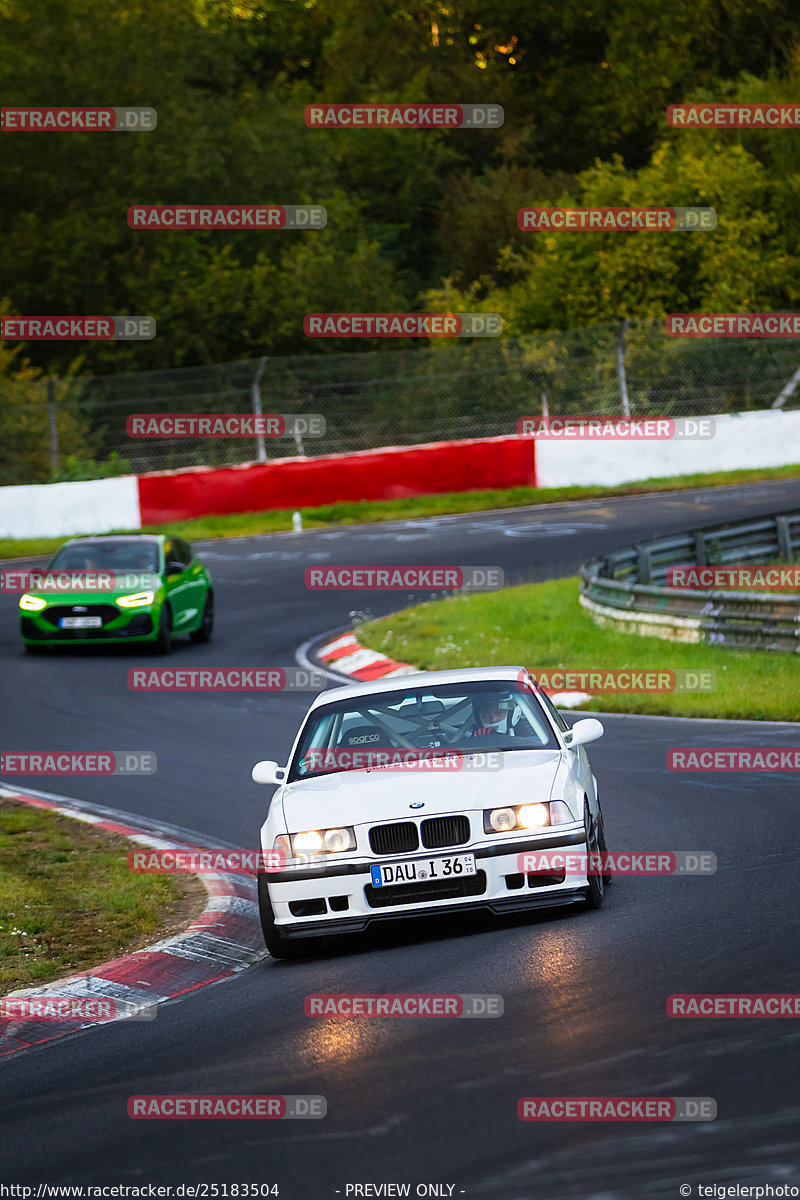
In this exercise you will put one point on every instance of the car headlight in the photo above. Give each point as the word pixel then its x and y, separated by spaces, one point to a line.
pixel 337 841
pixel 135 600
pixel 533 816
pixel 526 816
pixel 30 603
pixel 323 841
pixel 309 842
pixel 501 820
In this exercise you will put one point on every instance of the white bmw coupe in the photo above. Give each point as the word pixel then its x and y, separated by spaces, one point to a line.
pixel 424 794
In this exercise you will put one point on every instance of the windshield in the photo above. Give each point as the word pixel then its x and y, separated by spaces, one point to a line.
pixel 426 721
pixel 108 555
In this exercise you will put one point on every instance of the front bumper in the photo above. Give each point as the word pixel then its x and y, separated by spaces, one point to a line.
pixel 138 625
pixel 325 898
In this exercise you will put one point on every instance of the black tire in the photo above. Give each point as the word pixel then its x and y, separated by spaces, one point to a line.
pixel 601 845
pixel 163 643
pixel 203 634
pixel 596 889
pixel 30 648
pixel 276 943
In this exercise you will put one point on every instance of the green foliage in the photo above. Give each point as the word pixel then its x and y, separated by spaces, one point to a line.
pixel 414 217
pixel 563 279
pixel 68 900
pixel 541 625
pixel 76 468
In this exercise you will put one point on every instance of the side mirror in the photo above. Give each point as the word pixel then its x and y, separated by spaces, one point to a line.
pixel 175 568
pixel 588 730
pixel 269 772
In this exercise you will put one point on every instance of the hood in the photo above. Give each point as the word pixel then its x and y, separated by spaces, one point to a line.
pixel 142 581
pixel 384 794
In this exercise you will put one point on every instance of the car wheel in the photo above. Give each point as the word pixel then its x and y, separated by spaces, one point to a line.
pixel 163 643
pixel 596 888
pixel 30 648
pixel 601 845
pixel 278 945
pixel 203 634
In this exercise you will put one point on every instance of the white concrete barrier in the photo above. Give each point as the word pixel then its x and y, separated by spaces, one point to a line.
pixel 62 509
pixel 753 439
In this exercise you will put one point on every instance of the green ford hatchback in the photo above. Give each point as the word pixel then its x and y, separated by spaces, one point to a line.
pixel 127 588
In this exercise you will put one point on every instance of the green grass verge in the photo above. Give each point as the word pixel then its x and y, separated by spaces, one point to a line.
pixel 542 625
pixel 68 901
pixel 368 511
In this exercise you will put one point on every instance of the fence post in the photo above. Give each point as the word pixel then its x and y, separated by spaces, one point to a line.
pixel 784 538
pixel 255 391
pixel 623 382
pixel 645 571
pixel 53 422
pixel 787 390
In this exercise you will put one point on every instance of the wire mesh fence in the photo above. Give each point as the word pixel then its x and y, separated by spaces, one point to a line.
pixel 76 428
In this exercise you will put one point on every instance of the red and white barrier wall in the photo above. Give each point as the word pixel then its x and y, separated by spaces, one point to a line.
pixel 390 473
pixel 130 501
pixel 61 509
pixel 756 439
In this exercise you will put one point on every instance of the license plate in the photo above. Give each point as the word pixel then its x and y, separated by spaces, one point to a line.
pixel 423 870
pixel 80 622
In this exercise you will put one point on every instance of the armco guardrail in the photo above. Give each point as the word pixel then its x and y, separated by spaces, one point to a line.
pixel 626 588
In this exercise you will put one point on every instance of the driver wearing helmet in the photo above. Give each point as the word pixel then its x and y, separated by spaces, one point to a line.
pixel 492 715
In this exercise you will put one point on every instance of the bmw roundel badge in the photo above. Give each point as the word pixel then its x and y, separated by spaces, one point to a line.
pixel 417 804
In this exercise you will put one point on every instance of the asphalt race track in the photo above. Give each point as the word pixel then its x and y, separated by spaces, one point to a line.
pixel 426 1101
